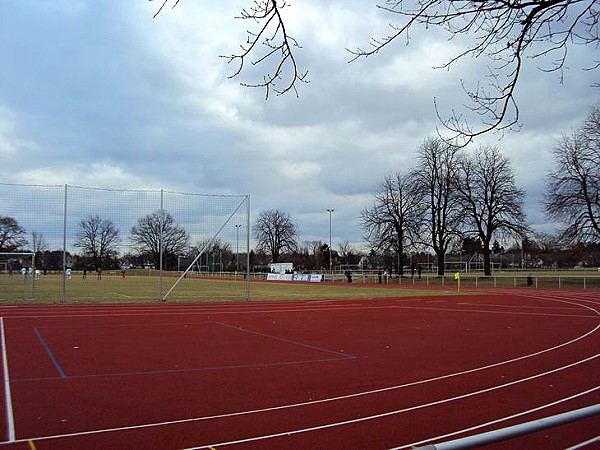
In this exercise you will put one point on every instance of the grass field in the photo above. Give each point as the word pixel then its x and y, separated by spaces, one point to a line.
pixel 114 289
pixel 145 287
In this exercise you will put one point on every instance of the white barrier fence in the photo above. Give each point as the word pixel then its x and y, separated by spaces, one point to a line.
pixel 307 277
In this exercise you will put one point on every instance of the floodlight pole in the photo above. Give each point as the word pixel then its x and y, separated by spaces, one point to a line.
pixel 330 210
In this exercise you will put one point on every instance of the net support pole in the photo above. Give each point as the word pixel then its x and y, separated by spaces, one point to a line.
pixel 248 248
pixel 64 260
pixel 160 248
pixel 201 252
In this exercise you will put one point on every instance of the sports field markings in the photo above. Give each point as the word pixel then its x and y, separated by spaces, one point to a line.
pixel 288 406
pixel 496 421
pixel 304 430
pixel 50 354
pixel 122 295
pixel 392 413
pixel 191 370
pixel 179 312
pixel 569 308
pixel 10 419
pixel 300 344
pixel 584 444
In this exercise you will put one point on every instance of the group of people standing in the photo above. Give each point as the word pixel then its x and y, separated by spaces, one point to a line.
pixel 383 277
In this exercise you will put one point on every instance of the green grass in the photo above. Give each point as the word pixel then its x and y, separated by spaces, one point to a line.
pixel 114 289
pixel 144 287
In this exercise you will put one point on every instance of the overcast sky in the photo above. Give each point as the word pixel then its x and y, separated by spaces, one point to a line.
pixel 100 94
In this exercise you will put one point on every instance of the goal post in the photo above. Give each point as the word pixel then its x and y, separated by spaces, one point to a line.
pixel 137 239
pixel 24 263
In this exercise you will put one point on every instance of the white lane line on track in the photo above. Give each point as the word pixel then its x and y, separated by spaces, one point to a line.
pixel 289 406
pixel 10 420
pixel 389 413
pixel 304 430
pixel 506 305
pixel 332 399
pixel 159 312
pixel 585 443
pixel 496 421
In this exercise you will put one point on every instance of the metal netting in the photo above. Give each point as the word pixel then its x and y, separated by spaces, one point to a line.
pixel 134 244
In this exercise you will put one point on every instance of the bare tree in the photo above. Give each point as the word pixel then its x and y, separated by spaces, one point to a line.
pixel 269 44
pixel 494 202
pixel 38 242
pixel 396 216
pixel 573 187
pixel 507 34
pixel 98 238
pixel 275 233
pixel 157 234
pixel 436 177
pixel 12 235
pixel 214 253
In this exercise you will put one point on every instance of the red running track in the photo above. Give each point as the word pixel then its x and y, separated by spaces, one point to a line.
pixel 381 373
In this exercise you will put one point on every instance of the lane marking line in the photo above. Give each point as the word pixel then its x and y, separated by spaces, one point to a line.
pixel 496 421
pixel 316 428
pixel 392 413
pixel 49 353
pixel 585 443
pixel 10 419
pixel 288 341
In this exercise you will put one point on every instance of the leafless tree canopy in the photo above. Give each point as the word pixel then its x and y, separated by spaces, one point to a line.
pixel 158 232
pixel 486 186
pixel 395 218
pixel 275 233
pixel 573 187
pixel 271 44
pixel 505 33
pixel 268 44
pixel 436 177
pixel 12 235
pixel 38 242
pixel 98 238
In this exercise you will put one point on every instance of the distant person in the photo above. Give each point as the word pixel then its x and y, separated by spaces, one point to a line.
pixel 123 272
pixel 37 274
pixel 419 270
pixel 379 276
pixel 23 272
pixel 84 273
pixel 68 273
pixel 348 276
pixel 385 276
pixel 412 271
pixel 98 273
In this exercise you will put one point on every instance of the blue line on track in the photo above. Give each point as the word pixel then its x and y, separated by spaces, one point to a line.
pixel 300 344
pixel 49 353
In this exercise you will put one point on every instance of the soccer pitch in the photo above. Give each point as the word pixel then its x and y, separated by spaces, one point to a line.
pixel 15 290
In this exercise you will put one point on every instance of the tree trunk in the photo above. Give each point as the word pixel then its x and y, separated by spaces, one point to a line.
pixel 441 260
pixel 487 266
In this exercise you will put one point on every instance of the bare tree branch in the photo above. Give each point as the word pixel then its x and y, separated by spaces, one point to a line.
pixel 573 187
pixel 506 33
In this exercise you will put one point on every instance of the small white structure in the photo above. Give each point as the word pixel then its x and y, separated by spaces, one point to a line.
pixel 281 267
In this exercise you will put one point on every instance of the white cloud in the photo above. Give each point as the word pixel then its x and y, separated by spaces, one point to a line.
pixel 108 96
